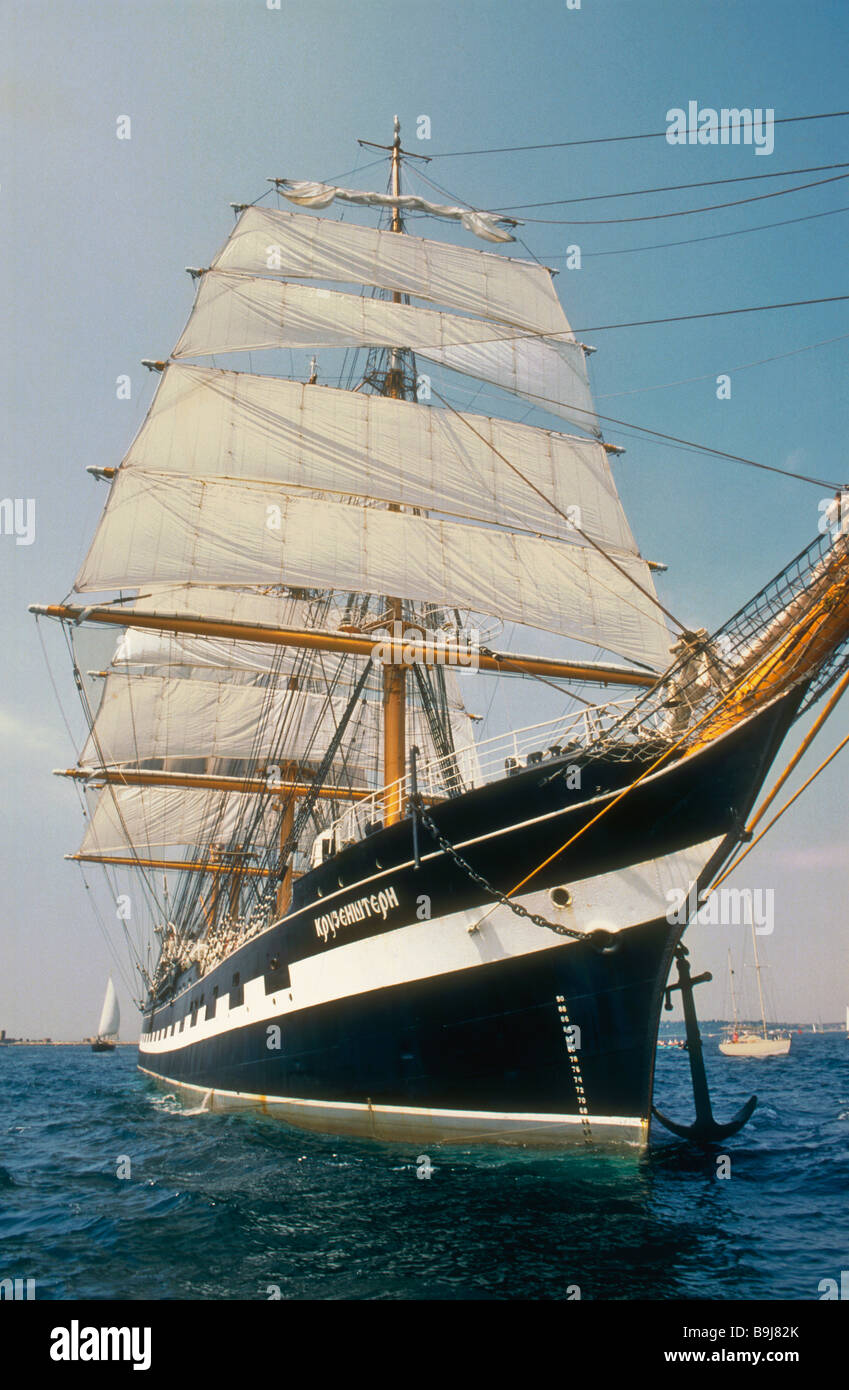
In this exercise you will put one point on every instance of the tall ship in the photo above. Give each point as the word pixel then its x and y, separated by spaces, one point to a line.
pixel 364 919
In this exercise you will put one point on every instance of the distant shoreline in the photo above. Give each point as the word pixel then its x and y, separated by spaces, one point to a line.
pixel 59 1042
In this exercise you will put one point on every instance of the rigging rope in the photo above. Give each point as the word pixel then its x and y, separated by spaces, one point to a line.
pixel 682 212
pixel 841 745
pixel 671 188
pixel 695 240
pixel 616 139
pixel 712 314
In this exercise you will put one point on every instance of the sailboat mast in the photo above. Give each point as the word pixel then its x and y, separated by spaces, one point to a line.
pixel 758 972
pixel 733 995
pixel 394 677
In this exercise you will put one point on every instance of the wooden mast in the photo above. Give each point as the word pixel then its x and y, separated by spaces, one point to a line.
pixel 236 884
pixel 284 887
pixel 394 677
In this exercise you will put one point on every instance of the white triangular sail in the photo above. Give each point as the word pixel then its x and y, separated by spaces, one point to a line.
pixel 163 529
pixel 294 246
pixel 240 313
pixel 110 1015
pixel 212 423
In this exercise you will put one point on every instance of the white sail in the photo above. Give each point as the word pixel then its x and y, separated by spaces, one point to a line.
pixel 145 717
pixel 212 423
pixel 159 717
pixel 239 313
pixel 123 819
pixel 490 226
pixel 173 653
pixel 160 528
pixel 138 646
pixel 110 1016
pixel 233 605
pixel 143 647
pixel 293 246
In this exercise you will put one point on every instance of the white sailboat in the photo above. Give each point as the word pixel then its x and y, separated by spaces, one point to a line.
pixel 744 1042
pixel 110 1022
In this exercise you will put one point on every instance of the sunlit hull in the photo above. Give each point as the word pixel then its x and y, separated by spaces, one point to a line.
pixel 753 1046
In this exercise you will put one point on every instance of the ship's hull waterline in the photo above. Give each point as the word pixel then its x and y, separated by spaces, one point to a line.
pixel 396 1002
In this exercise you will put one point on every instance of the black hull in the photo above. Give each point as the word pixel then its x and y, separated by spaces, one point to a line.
pixel 475 1042
pixel 103 1047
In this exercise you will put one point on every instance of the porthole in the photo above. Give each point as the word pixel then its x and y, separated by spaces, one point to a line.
pixel 561 897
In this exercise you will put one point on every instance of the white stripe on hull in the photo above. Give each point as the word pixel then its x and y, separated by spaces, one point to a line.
pixel 443 945
pixel 410 1124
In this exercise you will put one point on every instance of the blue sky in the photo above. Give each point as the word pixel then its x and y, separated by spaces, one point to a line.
pixel 96 233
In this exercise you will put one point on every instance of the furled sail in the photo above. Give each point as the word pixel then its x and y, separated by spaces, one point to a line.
pixel 490 226
pixel 143 647
pixel 214 423
pixel 293 246
pixel 237 313
pixel 163 528
pixel 146 647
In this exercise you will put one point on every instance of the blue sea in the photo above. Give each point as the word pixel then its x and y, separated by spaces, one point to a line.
pixel 216 1207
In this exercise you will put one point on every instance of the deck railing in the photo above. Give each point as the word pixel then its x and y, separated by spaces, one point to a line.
pixel 478 764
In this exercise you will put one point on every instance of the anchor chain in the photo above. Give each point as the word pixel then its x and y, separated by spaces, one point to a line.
pixel 519 910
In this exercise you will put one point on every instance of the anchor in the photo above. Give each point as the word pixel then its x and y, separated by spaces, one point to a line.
pixel 705 1128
